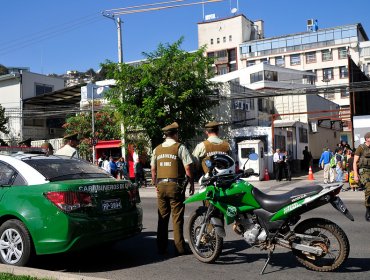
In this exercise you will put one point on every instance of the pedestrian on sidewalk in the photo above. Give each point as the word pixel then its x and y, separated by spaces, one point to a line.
pixel 324 163
pixel 339 164
pixel 352 183
pixel 279 164
pixel 287 161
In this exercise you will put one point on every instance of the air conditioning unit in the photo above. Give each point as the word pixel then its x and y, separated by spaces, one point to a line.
pixel 51 131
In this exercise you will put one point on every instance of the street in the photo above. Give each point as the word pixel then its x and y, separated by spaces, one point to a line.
pixel 137 258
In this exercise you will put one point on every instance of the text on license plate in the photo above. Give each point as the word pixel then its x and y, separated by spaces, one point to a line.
pixel 111 204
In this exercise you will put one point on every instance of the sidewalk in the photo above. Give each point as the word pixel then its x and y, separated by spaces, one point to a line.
pixel 44 274
pixel 273 187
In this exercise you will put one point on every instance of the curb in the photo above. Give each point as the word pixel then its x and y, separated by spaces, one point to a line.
pixel 40 273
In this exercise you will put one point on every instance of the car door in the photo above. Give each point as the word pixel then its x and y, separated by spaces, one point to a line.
pixel 8 176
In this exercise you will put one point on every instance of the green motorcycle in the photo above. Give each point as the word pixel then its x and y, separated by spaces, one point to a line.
pixel 264 220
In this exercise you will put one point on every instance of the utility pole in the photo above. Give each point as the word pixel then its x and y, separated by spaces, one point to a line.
pixel 118 22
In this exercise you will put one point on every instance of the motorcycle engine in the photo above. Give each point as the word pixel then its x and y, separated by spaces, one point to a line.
pixel 251 231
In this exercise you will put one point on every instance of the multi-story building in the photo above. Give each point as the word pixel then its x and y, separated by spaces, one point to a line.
pixel 222 38
pixel 323 52
pixel 255 112
pixel 14 89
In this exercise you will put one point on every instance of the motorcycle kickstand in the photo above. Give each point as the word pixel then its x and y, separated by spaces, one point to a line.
pixel 269 255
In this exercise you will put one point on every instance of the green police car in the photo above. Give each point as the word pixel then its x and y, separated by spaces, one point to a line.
pixel 51 204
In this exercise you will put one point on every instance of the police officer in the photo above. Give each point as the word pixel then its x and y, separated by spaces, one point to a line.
pixel 170 162
pixel 361 166
pixel 69 149
pixel 25 143
pixel 213 145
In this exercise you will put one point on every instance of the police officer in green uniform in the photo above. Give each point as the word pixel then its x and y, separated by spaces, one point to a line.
pixel 361 170
pixel 170 166
pixel 213 145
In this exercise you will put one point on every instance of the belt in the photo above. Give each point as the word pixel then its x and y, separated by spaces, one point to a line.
pixel 166 180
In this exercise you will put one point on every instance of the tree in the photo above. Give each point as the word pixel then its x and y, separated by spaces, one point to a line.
pixel 3 70
pixel 171 85
pixel 3 121
pixel 106 127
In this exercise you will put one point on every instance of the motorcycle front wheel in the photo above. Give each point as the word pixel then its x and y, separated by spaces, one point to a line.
pixel 333 242
pixel 210 246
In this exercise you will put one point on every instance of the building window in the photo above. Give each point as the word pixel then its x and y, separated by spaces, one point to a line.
pixel 256 77
pixel 218 40
pixel 233 67
pixel 329 95
pixel 251 62
pixel 232 54
pixel 222 69
pixel 343 72
pixel 270 75
pixel 280 61
pixel 211 41
pixel 230 38
pixel 342 53
pixel 33 122
pixel 224 39
pixel 303 137
pixel 311 57
pixel 42 89
pixel 295 59
pixel 344 93
pixel 211 54
pixel 326 55
pixel 328 74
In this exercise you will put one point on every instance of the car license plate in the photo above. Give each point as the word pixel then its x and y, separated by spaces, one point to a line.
pixel 111 204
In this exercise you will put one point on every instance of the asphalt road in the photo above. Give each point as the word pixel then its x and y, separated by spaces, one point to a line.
pixel 136 258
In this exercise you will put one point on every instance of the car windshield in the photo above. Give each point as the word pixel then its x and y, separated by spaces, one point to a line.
pixel 65 169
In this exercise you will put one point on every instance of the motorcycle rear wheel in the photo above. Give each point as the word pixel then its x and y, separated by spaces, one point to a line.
pixel 210 246
pixel 335 245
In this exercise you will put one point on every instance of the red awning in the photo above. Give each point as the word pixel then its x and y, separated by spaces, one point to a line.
pixel 108 144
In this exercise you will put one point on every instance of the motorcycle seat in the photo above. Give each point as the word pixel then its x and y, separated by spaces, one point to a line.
pixel 273 203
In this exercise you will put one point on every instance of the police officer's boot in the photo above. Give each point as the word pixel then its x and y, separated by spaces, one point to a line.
pixel 367 215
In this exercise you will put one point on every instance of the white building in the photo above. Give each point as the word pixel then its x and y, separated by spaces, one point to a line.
pixel 14 89
pixel 323 52
pixel 292 128
pixel 222 38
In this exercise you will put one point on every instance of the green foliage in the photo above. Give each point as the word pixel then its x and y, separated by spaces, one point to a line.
pixel 171 85
pixel 107 127
pixel 3 70
pixel 9 276
pixel 3 121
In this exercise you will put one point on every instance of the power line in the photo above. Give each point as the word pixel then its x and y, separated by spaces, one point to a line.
pixel 46 34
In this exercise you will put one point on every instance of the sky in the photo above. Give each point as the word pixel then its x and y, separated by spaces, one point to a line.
pixel 55 36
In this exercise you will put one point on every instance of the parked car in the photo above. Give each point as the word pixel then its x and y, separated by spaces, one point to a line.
pixel 54 204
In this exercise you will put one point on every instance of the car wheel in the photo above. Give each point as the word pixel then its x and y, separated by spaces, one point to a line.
pixel 15 243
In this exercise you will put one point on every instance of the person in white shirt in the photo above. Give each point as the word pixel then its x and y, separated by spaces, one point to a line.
pixel 106 165
pixel 278 164
pixel 69 149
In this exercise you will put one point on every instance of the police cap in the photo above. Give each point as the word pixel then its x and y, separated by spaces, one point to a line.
pixel 73 136
pixel 26 142
pixel 212 124
pixel 367 135
pixel 172 127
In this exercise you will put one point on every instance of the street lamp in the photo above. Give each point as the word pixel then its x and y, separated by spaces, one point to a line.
pixel 99 90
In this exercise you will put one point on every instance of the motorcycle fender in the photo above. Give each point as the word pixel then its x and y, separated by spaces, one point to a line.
pixel 196 197
pixel 219 227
